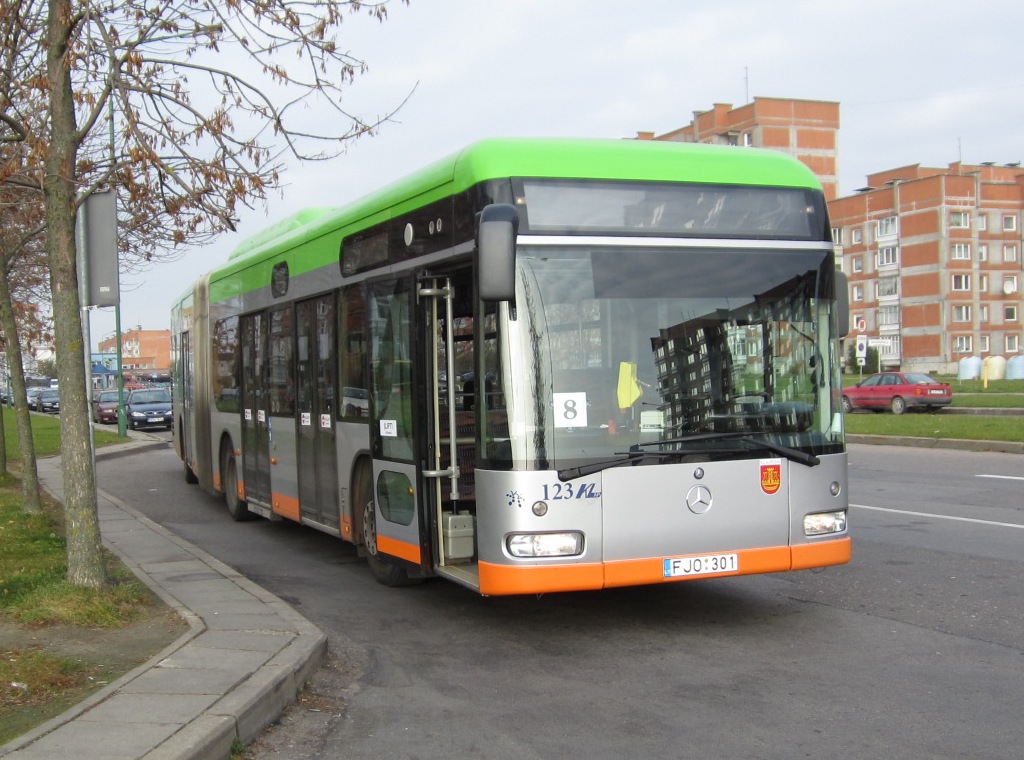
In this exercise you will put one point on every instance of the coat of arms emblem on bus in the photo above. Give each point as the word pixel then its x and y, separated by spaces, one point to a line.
pixel 771 476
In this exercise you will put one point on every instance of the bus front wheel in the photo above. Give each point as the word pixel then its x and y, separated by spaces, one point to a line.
pixel 383 569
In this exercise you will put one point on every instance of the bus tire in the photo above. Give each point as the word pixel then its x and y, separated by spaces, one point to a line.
pixel 190 477
pixel 384 570
pixel 237 508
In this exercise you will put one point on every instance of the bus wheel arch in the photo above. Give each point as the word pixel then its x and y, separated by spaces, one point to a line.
pixel 237 508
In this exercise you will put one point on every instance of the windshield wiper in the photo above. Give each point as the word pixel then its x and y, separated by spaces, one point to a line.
pixel 792 454
pixel 635 455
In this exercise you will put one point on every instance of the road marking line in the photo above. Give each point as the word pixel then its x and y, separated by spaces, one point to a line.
pixel 991 523
pixel 1001 477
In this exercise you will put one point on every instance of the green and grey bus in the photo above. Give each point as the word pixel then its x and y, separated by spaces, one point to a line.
pixel 537 365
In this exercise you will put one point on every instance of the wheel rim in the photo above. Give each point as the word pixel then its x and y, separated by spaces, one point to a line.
pixel 370 528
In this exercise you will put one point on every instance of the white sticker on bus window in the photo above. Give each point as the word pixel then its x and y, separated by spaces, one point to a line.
pixel 325 420
pixel 261 415
pixel 248 415
pixel 389 428
pixel 305 419
pixel 570 409
pixel 652 419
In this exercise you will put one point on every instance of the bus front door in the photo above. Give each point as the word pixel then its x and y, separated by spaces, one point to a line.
pixel 255 414
pixel 317 399
pixel 392 526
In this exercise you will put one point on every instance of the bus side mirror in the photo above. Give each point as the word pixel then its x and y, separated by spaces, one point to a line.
pixel 843 303
pixel 496 251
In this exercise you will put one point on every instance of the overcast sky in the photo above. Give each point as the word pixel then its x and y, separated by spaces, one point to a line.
pixel 918 81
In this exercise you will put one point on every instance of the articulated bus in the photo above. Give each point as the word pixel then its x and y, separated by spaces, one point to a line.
pixel 535 366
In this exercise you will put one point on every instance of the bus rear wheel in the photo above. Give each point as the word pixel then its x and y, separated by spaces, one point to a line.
pixel 384 570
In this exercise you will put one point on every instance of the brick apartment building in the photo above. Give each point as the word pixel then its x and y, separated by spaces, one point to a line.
pixel 807 129
pixel 934 262
pixel 933 256
pixel 143 352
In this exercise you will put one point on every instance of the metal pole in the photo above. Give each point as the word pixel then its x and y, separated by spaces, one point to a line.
pixel 122 426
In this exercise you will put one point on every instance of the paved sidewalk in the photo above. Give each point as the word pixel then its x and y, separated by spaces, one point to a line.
pixel 245 658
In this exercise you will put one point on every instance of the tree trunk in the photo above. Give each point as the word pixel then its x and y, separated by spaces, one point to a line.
pixel 15 367
pixel 85 558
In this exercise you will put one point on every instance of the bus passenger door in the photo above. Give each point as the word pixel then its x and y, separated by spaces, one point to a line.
pixel 391 522
pixel 254 409
pixel 318 397
pixel 184 398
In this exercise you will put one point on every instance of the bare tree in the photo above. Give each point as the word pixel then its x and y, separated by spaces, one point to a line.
pixel 209 100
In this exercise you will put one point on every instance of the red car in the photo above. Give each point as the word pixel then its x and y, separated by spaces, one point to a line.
pixel 898 391
pixel 104 407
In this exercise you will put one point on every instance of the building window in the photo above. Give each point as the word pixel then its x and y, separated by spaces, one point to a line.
pixel 837 235
pixel 962 313
pixel 962 344
pixel 982 222
pixel 1012 344
pixel 983 252
pixel 858 264
pixel 1009 223
pixel 983 344
pixel 886 226
pixel 960 220
pixel 961 282
pixel 1010 284
pixel 856 236
pixel 1009 252
pixel 984 313
pixel 962 251
pixel 888 316
pixel 1009 313
pixel 888 255
pixel 748 139
pixel 858 292
pixel 887 286
pixel 983 283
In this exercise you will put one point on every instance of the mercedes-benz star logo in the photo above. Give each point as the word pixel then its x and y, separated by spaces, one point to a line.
pixel 698 499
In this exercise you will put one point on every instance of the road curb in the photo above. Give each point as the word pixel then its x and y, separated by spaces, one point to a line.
pixel 961 444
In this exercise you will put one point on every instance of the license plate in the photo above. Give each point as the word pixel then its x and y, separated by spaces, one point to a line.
pixel 935 392
pixel 156 419
pixel 708 564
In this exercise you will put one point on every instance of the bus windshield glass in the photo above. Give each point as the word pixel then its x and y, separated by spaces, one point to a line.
pixel 613 348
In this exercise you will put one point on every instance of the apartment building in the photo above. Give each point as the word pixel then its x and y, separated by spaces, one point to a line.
pixel 142 351
pixel 933 258
pixel 806 129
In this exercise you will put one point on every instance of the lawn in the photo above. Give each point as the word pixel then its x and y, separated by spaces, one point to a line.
pixel 939 425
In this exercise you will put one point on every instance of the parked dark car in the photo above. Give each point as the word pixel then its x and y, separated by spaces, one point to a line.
pixel 31 394
pixel 148 408
pixel 48 401
pixel 898 391
pixel 104 407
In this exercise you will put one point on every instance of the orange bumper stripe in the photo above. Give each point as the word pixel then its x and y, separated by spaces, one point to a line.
pixel 499 580
pixel 822 554
pixel 286 506
pixel 400 549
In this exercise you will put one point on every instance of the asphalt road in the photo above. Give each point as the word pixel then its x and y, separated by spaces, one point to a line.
pixel 915 649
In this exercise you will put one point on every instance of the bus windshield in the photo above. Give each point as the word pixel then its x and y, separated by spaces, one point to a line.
pixel 612 349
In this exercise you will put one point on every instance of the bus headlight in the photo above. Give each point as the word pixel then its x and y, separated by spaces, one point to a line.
pixel 526 545
pixel 823 523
